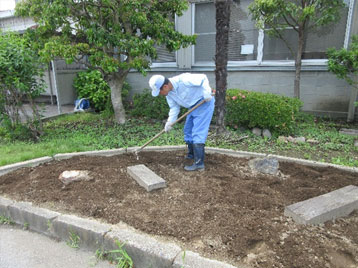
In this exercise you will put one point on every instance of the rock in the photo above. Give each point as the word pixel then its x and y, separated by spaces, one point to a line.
pixel 266 133
pixel 69 176
pixel 256 131
pixel 356 143
pixel 282 139
pixel 312 141
pixel 291 139
pixel 267 165
pixel 300 140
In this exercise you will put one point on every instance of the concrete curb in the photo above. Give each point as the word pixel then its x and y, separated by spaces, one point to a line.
pixel 29 163
pixel 144 250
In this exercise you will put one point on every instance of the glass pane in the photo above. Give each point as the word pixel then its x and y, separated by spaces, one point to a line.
pixel 205 48
pixel 205 18
pixel 316 42
pixel 242 32
pixel 164 55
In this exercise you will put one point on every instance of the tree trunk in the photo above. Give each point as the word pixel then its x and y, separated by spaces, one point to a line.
pixel 115 82
pixel 298 64
pixel 221 58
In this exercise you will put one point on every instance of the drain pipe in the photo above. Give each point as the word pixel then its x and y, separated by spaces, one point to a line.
pixel 55 85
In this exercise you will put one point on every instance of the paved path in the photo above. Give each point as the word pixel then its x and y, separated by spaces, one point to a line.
pixel 25 249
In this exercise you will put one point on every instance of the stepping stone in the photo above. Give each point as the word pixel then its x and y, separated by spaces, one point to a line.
pixel 146 178
pixel 326 207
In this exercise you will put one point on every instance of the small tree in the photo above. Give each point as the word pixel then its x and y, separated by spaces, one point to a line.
pixel 20 80
pixel 221 58
pixel 344 64
pixel 116 35
pixel 275 16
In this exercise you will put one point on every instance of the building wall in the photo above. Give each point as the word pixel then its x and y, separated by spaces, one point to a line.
pixel 321 92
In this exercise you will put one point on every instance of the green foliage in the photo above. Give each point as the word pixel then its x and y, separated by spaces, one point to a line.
pixel 120 256
pixel 344 62
pixel 73 240
pixel 116 36
pixel 20 80
pixel 263 110
pixel 274 16
pixel 6 220
pixel 144 105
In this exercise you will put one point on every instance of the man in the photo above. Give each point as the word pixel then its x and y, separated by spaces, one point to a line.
pixel 187 90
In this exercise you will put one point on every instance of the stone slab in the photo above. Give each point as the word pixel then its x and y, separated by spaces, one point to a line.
pixel 36 218
pixel 194 260
pixel 29 163
pixel 90 232
pixel 145 177
pixel 326 207
pixel 144 250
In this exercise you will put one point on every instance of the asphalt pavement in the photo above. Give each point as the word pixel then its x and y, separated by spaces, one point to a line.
pixel 25 249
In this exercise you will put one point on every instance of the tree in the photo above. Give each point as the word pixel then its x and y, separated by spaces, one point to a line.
pixel 115 35
pixel 221 58
pixel 303 16
pixel 21 75
pixel 344 64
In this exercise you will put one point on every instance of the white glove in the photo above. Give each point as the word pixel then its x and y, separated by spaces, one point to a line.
pixel 168 126
pixel 207 99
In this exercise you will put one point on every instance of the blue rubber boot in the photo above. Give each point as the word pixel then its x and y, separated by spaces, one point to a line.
pixel 190 154
pixel 199 153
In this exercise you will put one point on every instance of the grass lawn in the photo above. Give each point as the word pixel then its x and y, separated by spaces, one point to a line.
pixel 87 131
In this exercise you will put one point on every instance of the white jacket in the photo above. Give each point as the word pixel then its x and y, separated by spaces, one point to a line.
pixel 187 90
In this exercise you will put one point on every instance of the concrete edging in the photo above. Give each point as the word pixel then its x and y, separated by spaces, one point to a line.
pixel 94 235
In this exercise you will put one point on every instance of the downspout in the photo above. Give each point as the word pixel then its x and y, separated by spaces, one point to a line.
pixel 55 85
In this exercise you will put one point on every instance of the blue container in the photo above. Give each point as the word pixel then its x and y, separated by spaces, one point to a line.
pixel 82 104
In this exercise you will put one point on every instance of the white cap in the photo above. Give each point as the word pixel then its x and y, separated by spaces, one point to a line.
pixel 155 83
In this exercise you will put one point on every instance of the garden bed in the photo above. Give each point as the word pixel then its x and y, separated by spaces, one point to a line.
pixel 226 212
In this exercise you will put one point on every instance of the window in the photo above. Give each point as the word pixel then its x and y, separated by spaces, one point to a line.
pixel 244 44
pixel 316 42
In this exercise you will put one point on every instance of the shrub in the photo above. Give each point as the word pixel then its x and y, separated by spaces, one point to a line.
pixel 91 85
pixel 145 105
pixel 263 110
pixel 21 73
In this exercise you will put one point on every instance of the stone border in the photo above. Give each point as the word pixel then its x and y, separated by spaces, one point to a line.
pixel 144 249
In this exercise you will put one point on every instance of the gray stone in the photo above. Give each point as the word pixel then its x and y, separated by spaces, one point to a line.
pixel 268 165
pixel 69 176
pixel 146 178
pixel 326 207
pixel 266 133
pixel 90 232
pixel 37 219
pixel 312 141
pixel 300 140
pixel 356 143
pixel 194 260
pixel 257 131
pixel 144 250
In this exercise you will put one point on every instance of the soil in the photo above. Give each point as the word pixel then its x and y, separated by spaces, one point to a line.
pixel 226 212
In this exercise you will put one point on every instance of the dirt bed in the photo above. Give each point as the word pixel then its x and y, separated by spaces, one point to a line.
pixel 226 212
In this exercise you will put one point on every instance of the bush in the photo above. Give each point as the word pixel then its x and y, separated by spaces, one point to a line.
pixel 263 110
pixel 91 85
pixel 21 73
pixel 145 105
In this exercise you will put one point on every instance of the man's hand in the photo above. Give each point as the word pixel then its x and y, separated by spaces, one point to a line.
pixel 168 126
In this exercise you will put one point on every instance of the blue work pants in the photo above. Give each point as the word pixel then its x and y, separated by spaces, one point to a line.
pixel 197 123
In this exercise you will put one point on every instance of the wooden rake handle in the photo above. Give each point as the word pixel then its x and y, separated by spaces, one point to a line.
pixel 161 132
